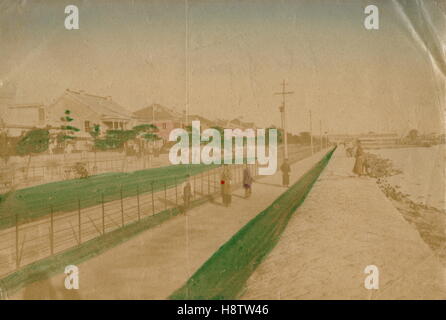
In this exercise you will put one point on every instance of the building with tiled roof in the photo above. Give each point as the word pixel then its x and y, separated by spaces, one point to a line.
pixel 86 110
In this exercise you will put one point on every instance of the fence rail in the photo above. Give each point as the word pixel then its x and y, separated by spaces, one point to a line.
pixel 22 175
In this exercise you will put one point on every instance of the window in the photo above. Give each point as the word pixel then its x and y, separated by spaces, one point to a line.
pixel 87 126
pixel 164 125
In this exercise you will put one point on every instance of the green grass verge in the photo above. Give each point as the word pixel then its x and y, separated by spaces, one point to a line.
pixel 223 276
pixel 34 202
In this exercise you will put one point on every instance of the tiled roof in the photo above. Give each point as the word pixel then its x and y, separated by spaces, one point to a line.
pixel 104 106
pixel 161 113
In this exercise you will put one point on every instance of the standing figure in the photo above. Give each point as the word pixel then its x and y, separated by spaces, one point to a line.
pixel 187 192
pixel 285 168
pixel 358 168
pixel 247 181
pixel 225 182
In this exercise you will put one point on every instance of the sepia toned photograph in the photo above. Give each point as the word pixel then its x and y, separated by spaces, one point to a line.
pixel 244 150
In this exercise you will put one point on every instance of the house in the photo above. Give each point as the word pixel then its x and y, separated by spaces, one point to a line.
pixel 237 123
pixel 85 111
pixel 204 122
pixel 88 110
pixel 225 124
pixel 165 119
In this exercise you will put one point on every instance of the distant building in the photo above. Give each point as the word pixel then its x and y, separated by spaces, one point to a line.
pixel 19 118
pixel 237 123
pixel 379 140
pixel 163 118
pixel 204 122
pixel 369 140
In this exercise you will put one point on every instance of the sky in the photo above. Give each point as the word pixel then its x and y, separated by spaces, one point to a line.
pixel 226 59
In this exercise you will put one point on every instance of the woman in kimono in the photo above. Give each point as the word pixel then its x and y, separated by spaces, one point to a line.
pixel 358 168
pixel 285 168
pixel 225 182
pixel 186 187
pixel 247 181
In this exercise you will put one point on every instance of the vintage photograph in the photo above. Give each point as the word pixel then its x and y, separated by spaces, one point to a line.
pixel 222 149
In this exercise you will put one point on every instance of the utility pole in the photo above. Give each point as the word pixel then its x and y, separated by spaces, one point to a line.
pixel 186 47
pixel 311 135
pixel 283 116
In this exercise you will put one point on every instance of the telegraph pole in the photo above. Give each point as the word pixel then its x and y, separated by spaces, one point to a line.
pixel 283 116
pixel 186 47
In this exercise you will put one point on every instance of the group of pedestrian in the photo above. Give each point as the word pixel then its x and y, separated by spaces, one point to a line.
pixel 226 183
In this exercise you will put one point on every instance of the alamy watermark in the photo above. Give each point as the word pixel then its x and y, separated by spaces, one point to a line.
pixel 259 147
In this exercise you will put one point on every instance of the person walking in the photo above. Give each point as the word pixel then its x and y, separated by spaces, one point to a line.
pixel 247 181
pixel 225 182
pixel 358 168
pixel 187 192
pixel 286 169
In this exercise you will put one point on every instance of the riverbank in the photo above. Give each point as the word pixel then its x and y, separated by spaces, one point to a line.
pixel 413 181
pixel 421 175
pixel 429 221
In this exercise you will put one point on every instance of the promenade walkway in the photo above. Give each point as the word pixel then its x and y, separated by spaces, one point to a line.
pixel 344 225
pixel 160 260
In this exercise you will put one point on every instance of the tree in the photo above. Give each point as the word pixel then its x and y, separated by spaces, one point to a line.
pixel 5 146
pixel 146 133
pixel 68 130
pixel 33 142
pixel 114 139
pixel 95 133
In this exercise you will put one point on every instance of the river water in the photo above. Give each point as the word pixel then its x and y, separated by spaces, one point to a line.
pixel 423 176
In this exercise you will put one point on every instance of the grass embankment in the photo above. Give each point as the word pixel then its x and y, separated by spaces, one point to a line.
pixel 65 196
pixel 225 273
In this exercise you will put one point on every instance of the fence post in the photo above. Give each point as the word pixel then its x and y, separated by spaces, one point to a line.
pixel 153 200
pixel 215 181
pixel 103 213
pixel 137 199
pixel 79 219
pixel 195 186
pixel 209 182
pixel 165 196
pixel 236 174
pixel 17 258
pixel 52 231
pixel 176 192
pixel 202 184
pixel 122 207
